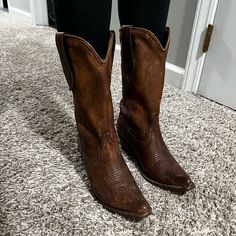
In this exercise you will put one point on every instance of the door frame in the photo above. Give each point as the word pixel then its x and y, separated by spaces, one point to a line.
pixel 205 14
pixel 39 11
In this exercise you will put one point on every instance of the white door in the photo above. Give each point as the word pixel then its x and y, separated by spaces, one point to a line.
pixel 31 11
pixel 218 81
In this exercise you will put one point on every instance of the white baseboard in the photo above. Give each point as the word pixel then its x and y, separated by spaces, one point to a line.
pixel 117 54
pixel 38 14
pixel 20 15
pixel 174 74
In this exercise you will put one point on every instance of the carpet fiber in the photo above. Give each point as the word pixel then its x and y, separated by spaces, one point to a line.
pixel 43 186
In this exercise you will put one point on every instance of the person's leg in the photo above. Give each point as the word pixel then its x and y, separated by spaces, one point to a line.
pixel 149 14
pixel 143 71
pixel 89 78
pixel 89 19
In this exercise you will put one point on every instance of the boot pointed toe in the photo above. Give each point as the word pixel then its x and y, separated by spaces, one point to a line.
pixel 181 183
pixel 141 210
pixel 189 185
pixel 131 204
pixel 144 210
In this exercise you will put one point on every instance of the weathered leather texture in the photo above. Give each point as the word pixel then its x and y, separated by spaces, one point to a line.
pixel 111 181
pixel 143 72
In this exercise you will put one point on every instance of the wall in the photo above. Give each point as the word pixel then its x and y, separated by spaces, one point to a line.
pixel 31 11
pixel 115 24
pixel 180 20
pixel 23 5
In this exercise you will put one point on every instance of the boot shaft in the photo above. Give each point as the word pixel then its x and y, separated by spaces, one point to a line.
pixel 143 72
pixel 89 78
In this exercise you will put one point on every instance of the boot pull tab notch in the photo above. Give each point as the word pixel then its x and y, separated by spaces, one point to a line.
pixel 64 61
pixel 127 49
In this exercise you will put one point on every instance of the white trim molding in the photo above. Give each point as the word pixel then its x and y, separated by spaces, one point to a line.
pixel 19 14
pixel 39 12
pixel 205 14
pixel 174 75
pixel 176 69
pixel 118 47
pixel 37 15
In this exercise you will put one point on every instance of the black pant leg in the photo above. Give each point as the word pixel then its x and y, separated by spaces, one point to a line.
pixel 149 14
pixel 89 19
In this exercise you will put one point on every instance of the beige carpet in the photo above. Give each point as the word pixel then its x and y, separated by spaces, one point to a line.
pixel 43 186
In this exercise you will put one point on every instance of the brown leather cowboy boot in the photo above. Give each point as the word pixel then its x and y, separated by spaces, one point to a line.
pixel 143 69
pixel 89 78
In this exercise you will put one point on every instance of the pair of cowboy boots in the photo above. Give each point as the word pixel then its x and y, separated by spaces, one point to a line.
pixel 89 78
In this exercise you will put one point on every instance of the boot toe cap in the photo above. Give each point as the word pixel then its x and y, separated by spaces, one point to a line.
pixel 169 180
pixel 142 210
pixel 182 182
pixel 136 207
pixel 189 185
